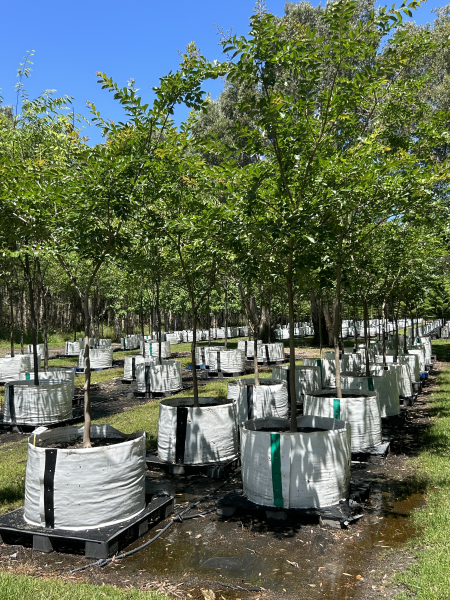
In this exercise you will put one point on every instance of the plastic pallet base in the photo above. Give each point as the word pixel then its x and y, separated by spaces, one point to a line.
pixel 156 395
pixel 265 363
pixel 78 371
pixel 215 471
pixel 338 517
pixel 128 381
pixel 78 415
pixel 374 454
pixel 96 543
pixel 222 375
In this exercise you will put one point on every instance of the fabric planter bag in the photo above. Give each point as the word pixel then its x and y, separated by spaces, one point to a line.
pixel 269 399
pixel 89 487
pixel 306 469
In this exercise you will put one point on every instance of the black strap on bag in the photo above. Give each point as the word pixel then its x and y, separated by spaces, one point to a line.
pixel 250 405
pixel 49 479
pixel 180 439
pixel 12 406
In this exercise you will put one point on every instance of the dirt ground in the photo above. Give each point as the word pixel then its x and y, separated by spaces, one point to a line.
pixel 213 558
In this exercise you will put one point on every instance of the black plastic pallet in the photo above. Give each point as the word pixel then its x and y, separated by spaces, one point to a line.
pixel 374 454
pixel 338 516
pixel 128 381
pixel 215 471
pixel 93 543
pixel 224 375
pixel 156 395
pixel 78 415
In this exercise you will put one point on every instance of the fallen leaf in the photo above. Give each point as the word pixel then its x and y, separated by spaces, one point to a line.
pixel 359 577
pixel 198 536
pixel 208 595
pixel 348 574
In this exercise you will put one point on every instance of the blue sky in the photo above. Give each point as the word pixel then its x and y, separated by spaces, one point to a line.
pixel 74 40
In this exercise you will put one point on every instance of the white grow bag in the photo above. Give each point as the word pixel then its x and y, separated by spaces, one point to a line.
pixel 296 470
pixel 43 404
pixel 426 343
pixel 174 338
pixel 130 342
pixel 227 361
pixel 72 349
pixel 271 352
pixel 11 367
pixel 166 377
pixel 306 379
pixel 385 385
pixel 248 347
pixel 100 358
pixel 202 355
pixel 142 372
pixel 52 374
pixel 269 399
pixel 39 349
pixel 92 487
pixel 152 349
pixel 360 409
pixel 420 353
pixel 104 343
pixel 131 362
pixel 203 435
pixel 404 374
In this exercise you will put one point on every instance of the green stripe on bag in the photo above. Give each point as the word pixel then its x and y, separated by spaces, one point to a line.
pixel 371 388
pixel 337 408
pixel 275 454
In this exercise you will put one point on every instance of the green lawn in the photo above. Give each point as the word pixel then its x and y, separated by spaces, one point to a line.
pixel 429 577
pixel 22 587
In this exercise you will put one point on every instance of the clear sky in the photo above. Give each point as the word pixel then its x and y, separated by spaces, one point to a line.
pixel 139 39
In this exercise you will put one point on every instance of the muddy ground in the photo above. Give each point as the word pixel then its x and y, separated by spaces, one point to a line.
pixel 210 557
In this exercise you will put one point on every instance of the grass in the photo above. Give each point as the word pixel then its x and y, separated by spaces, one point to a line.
pixel 429 577
pixel 23 587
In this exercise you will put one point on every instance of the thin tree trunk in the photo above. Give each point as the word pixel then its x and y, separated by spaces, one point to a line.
pixel 320 330
pixel 366 341
pixel 21 320
pixel 405 342
pixel 44 315
pixel 87 373
pixel 142 323
pixel 336 323
pixel 255 355
pixel 383 325
pixel 33 320
pixel 158 316
pixel 226 316
pixel 11 306
pixel 290 292
pixel 194 360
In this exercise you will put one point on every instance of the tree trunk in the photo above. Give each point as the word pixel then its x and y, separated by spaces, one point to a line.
pixel 383 326
pixel 87 373
pixel 44 315
pixel 226 316
pixel 194 360
pixel 337 321
pixel 22 307
pixel 11 306
pixel 290 292
pixel 366 341
pixel 33 319
pixel 142 323
pixel 158 316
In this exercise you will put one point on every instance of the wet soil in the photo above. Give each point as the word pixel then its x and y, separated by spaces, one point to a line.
pixel 247 557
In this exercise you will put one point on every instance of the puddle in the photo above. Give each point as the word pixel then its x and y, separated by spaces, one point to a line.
pixel 291 560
